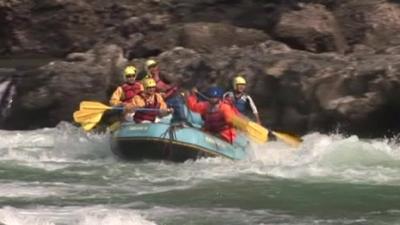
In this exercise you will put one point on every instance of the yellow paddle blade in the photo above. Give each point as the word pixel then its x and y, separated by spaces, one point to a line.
pixel 260 133
pixel 83 116
pixel 93 105
pixel 253 130
pixel 289 139
pixel 90 114
pixel 88 126
pixel 240 122
pixel 87 121
pixel 113 127
pixel 257 132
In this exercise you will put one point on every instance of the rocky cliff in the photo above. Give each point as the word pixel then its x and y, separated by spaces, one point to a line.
pixel 312 65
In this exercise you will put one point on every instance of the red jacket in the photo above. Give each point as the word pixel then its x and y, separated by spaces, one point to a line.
pixel 167 89
pixel 225 113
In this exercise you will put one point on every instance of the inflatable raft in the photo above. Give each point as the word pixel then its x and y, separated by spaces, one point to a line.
pixel 172 142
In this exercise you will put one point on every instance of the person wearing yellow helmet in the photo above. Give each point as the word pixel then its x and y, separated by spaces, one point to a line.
pixel 153 71
pixel 169 92
pixel 151 64
pixel 125 92
pixel 150 100
pixel 241 100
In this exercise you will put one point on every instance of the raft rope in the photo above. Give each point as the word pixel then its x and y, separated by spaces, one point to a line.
pixel 172 136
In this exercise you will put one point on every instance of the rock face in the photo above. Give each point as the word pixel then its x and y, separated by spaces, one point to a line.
pixel 311 65
pixel 50 93
pixel 312 28
pixel 374 23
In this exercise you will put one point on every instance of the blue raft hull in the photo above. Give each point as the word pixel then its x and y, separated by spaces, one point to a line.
pixel 163 141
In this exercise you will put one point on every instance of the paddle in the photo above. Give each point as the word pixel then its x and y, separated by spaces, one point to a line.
pixel 90 123
pixel 289 139
pixel 260 133
pixel 90 113
pixel 257 132
pixel 91 105
pixel 253 130
pixel 82 116
pixel 100 107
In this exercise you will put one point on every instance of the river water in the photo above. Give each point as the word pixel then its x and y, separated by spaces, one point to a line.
pixel 61 175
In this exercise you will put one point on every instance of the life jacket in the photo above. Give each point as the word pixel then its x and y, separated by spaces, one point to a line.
pixel 168 89
pixel 214 120
pixel 147 115
pixel 130 90
pixel 240 103
pixel 162 87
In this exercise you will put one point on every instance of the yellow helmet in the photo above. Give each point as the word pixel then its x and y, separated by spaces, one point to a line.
pixel 149 82
pixel 238 80
pixel 150 62
pixel 130 71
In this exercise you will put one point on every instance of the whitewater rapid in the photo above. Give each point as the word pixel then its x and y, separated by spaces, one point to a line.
pixel 63 175
pixel 331 157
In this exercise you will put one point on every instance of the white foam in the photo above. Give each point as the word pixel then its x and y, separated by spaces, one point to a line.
pixel 98 215
pixel 20 189
pixel 65 143
pixel 320 156
pixel 330 157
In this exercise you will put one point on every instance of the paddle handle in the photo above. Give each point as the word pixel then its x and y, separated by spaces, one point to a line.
pixel 147 109
pixel 202 95
pixel 117 108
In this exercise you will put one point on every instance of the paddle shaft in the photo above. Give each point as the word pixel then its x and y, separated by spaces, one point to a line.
pixel 138 109
pixel 90 113
pixel 202 95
